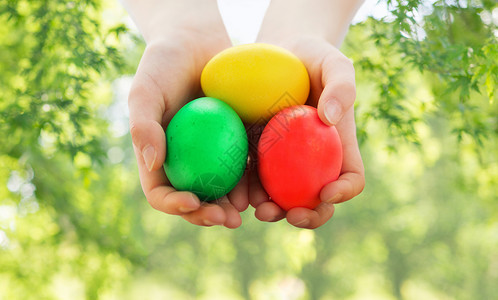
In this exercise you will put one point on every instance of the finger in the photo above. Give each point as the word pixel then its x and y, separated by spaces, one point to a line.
pixel 233 219
pixel 307 218
pixel 160 195
pixel 257 193
pixel 162 84
pixel 149 139
pixel 352 179
pixel 346 187
pixel 266 209
pixel 269 212
pixel 208 214
pixel 170 201
pixel 146 107
pixel 339 90
pixel 239 196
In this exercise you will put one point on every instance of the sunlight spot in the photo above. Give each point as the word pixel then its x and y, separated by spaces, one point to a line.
pixel 115 155
pixel 7 212
pixel 47 140
pixel 27 190
pixel 28 206
pixel 15 181
pixel 4 240
pixel 486 17
pixel 291 288
pixel 118 113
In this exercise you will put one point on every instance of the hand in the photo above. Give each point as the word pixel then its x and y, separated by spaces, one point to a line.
pixel 333 92
pixel 166 79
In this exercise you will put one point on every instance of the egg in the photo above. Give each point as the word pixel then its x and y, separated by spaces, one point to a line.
pixel 206 148
pixel 298 155
pixel 256 80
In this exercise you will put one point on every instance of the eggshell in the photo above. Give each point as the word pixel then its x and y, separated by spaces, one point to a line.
pixel 256 80
pixel 206 149
pixel 297 156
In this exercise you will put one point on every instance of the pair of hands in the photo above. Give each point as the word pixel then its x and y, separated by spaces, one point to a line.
pixel 168 77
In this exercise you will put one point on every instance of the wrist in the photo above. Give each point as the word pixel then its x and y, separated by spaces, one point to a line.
pixel 157 19
pixel 288 37
pixel 324 19
pixel 192 42
pixel 290 41
pixel 191 26
pixel 302 45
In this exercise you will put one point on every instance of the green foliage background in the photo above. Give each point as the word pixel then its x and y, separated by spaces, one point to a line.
pixel 74 223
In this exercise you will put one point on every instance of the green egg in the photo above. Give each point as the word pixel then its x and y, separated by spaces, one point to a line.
pixel 206 148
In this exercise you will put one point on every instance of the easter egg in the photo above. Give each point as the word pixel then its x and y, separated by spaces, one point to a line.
pixel 256 80
pixel 298 155
pixel 206 148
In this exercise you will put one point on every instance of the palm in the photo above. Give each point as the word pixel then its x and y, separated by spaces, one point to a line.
pixel 332 77
pixel 167 78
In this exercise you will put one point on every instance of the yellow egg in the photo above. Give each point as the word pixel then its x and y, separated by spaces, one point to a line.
pixel 256 80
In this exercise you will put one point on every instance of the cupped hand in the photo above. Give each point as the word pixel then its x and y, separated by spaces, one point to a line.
pixel 167 78
pixel 333 92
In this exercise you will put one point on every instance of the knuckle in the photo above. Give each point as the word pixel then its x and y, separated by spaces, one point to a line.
pixel 351 67
pixel 349 62
pixel 346 85
pixel 136 90
pixel 345 62
pixel 339 59
pixel 350 186
pixel 154 204
pixel 357 184
pixel 347 88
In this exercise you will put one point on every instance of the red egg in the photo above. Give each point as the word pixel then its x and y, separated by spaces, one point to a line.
pixel 298 155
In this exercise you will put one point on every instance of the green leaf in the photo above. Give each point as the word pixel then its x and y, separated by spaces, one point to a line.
pixel 490 84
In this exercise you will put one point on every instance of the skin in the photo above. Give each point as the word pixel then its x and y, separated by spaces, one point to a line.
pixel 313 30
pixel 181 37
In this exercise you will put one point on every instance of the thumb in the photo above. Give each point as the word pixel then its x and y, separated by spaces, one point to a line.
pixel 339 89
pixel 146 107
pixel 149 140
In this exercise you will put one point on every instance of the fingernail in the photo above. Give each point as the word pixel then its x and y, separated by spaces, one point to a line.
pixel 184 209
pixel 332 111
pixel 335 199
pixel 149 155
pixel 275 219
pixel 209 223
pixel 303 223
